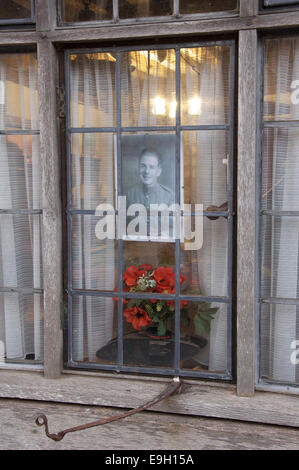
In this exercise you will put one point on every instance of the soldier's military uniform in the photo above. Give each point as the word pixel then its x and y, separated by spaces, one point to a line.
pixel 141 194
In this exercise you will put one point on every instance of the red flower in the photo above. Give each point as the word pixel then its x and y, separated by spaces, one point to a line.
pixel 165 280
pixel 132 274
pixel 138 317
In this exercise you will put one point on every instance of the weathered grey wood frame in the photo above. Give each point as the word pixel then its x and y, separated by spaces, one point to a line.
pixel 240 401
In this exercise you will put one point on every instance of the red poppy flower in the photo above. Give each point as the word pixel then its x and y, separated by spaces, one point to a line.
pixel 165 280
pixel 138 317
pixel 132 274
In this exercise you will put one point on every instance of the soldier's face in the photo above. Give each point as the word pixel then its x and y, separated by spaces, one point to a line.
pixel 149 169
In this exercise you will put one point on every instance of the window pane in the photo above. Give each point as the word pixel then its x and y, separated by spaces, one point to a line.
pixel 148 88
pixel 18 92
pixel 205 267
pixel 205 85
pixel 92 78
pixel 93 170
pixel 280 257
pixel 21 327
pixel 94 261
pixel 205 155
pixel 201 6
pixel 94 326
pixel 279 343
pixel 281 76
pixel 280 174
pixel 20 256
pixel 15 9
pixel 86 10
pixel 203 344
pixel 144 8
pixel 20 172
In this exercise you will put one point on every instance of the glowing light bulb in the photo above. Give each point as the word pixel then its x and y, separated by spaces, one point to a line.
pixel 195 106
pixel 159 106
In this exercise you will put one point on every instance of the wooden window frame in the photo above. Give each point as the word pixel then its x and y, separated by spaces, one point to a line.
pixel 241 401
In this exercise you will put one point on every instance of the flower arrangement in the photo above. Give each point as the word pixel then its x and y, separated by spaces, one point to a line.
pixel 145 312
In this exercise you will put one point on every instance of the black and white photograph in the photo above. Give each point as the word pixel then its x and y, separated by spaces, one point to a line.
pixel 148 179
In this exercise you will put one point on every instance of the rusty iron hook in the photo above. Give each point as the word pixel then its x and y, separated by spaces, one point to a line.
pixel 171 389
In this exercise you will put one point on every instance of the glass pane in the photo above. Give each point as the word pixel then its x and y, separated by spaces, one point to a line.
pixel 144 8
pixel 86 10
pixel 143 254
pixel 203 344
pixel 93 170
pixel 94 261
pixel 18 92
pixel 205 156
pixel 202 6
pixel 148 88
pixel 21 327
pixel 205 85
pixel 205 268
pixel 94 330
pixel 279 343
pixel 280 257
pixel 280 171
pixel 15 9
pixel 21 254
pixel 92 90
pixel 20 172
pixel 281 79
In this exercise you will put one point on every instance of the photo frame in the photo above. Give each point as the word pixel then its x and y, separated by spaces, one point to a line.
pixel 148 164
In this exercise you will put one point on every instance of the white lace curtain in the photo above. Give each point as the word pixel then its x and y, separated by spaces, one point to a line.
pixel 21 322
pixel 280 192
pixel 145 75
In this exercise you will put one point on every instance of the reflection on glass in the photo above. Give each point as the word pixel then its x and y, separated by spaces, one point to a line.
pixel 18 92
pixel 86 10
pixel 205 269
pixel 202 6
pixel 15 10
pixel 148 88
pixel 93 170
pixel 279 343
pixel 92 83
pixel 280 249
pixel 94 324
pixel 205 85
pixel 94 261
pixel 203 336
pixel 144 8
pixel 205 155
pixel 21 328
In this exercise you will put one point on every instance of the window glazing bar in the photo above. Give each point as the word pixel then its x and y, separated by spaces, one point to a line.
pixel 280 301
pixel 271 124
pixel 90 130
pixel 21 290
pixel 20 132
pixel 280 213
pixel 22 211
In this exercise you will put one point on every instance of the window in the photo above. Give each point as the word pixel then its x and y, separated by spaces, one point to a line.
pixel 17 11
pixel 21 299
pixel 154 125
pixel 280 214
pixel 72 11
